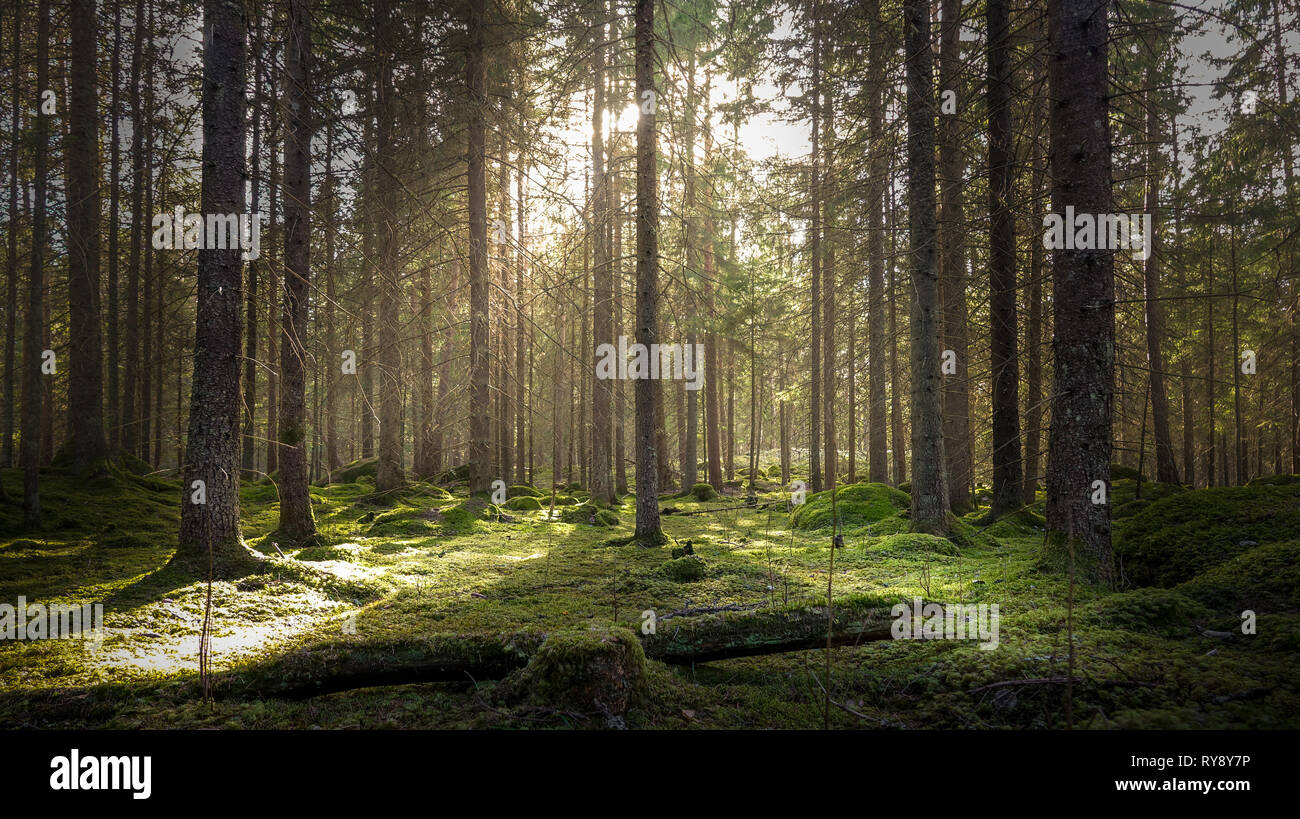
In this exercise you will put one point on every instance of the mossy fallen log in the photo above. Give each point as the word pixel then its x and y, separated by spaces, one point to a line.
pixel 729 635
pixel 345 665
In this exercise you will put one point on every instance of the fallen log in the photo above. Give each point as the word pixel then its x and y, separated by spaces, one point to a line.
pixel 730 635
pixel 343 665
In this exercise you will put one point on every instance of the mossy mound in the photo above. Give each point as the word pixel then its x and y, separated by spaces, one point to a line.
pixel 1023 523
pixel 703 492
pixel 856 505
pixel 1263 579
pixel 685 569
pixel 600 670
pixel 589 514
pixel 1119 472
pixel 523 490
pixel 524 503
pixel 564 500
pixel 1124 500
pixel 349 473
pixel 913 543
pixel 406 521
pixel 463 518
pixel 1178 537
pixel 1147 611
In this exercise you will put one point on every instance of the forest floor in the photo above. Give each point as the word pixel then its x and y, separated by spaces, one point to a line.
pixel 413 563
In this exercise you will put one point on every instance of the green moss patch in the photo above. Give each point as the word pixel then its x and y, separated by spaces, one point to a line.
pixel 856 505
pixel 1178 537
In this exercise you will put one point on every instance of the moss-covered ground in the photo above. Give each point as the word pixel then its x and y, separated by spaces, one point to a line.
pixel 427 561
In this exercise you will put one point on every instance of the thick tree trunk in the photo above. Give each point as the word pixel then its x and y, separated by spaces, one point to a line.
pixel 296 521
pixel 648 531
pixel 1083 287
pixel 929 479
pixel 1008 477
pixel 210 530
pixel 85 383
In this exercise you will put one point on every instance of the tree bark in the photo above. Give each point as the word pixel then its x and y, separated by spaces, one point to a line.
pixel 1083 286
pixel 602 484
pixel 877 420
pixel 210 531
pixel 33 394
pixel 929 479
pixel 1008 477
pixel 1166 468
pixel 85 382
pixel 296 521
pixel 648 531
pixel 389 473
pixel 480 478
pixel 955 387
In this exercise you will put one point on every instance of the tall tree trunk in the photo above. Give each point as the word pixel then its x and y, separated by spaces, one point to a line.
pixel 1033 431
pixel 877 422
pixel 33 394
pixel 480 477
pixel 955 386
pixel 274 189
pixel 815 265
pixel 296 521
pixel 210 532
pixel 520 416
pixel 85 384
pixel 1238 424
pixel 690 451
pixel 332 362
pixel 897 434
pixel 1166 468
pixel 389 473
pixel 249 453
pixel 113 418
pixel 1209 365
pixel 602 482
pixel 1083 287
pixel 130 372
pixel 1288 169
pixel 1008 477
pixel 830 455
pixel 929 480
pixel 648 531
